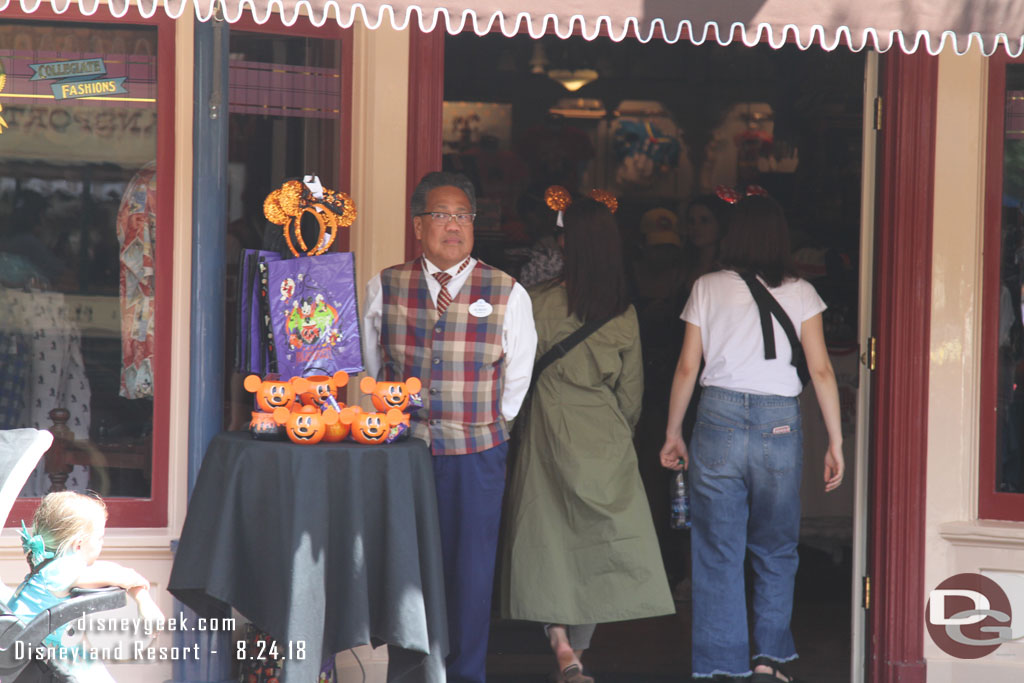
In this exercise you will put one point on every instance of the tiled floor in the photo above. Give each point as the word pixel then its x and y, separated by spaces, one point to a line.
pixel 658 650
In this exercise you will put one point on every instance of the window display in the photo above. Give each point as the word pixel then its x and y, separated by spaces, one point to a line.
pixel 78 234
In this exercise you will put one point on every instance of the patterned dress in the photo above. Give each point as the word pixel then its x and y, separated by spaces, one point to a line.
pixel 136 234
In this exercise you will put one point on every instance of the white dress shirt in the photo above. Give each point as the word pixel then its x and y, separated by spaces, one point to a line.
pixel 518 334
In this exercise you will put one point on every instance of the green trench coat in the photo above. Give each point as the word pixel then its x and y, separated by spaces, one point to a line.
pixel 580 546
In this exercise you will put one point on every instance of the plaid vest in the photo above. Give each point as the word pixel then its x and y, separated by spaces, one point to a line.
pixel 458 357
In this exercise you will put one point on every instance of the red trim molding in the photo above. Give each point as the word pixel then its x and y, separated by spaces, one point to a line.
pixel 902 324
pixel 426 100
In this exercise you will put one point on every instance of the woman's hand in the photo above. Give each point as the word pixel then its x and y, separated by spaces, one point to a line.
pixel 674 455
pixel 834 467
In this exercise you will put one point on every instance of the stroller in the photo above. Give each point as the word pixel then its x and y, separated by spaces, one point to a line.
pixel 20 450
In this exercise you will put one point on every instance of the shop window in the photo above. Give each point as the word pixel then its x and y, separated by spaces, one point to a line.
pixel 81 279
pixel 288 88
pixel 1001 493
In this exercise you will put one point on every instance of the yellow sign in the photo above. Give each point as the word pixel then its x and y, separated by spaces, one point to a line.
pixel 63 90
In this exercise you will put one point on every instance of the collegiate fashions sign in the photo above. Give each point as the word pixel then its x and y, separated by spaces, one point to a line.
pixel 77 79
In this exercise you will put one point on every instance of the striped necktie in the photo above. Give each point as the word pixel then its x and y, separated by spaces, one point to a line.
pixel 444 297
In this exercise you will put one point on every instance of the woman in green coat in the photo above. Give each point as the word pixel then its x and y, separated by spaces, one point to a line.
pixel 580 546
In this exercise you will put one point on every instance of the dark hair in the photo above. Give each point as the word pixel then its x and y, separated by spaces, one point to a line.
pixel 718 207
pixel 594 275
pixel 757 240
pixel 436 179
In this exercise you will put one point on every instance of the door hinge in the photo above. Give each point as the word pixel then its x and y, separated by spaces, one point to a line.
pixel 869 357
pixel 878 113
pixel 866 603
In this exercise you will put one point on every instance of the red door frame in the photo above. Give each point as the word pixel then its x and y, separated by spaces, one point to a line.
pixel 902 319
pixel 142 512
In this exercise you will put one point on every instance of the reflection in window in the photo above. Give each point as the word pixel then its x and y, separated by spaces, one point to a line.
pixel 77 247
pixel 1010 384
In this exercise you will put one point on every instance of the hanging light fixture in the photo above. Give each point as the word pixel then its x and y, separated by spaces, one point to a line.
pixel 539 60
pixel 573 79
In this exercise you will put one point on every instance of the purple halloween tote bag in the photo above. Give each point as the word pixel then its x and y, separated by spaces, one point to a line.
pixel 314 319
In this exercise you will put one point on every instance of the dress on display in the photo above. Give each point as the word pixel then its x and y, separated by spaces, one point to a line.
pixel 580 546
pixel 136 234
pixel 50 345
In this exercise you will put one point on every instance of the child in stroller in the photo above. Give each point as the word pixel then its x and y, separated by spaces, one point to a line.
pixel 62 550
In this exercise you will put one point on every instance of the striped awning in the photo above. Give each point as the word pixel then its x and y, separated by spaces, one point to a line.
pixel 909 25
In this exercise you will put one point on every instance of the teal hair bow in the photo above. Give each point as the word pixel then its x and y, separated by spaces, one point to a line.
pixel 34 546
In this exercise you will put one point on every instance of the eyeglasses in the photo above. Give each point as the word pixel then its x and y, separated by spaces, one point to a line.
pixel 442 217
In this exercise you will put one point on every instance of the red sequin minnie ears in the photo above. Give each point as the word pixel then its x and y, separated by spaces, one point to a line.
pixel 558 199
pixel 732 195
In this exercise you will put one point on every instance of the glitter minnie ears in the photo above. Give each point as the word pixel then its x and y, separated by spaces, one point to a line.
pixel 558 199
pixel 731 195
pixel 286 205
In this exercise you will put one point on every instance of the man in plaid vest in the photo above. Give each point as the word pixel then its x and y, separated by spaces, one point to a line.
pixel 466 330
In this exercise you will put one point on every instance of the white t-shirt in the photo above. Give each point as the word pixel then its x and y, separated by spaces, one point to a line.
pixel 730 330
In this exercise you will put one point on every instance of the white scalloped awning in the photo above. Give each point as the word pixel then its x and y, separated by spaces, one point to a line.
pixel 909 25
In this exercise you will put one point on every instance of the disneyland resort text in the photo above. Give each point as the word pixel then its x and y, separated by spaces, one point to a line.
pixel 136 651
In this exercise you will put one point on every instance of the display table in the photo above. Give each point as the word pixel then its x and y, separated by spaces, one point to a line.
pixel 330 546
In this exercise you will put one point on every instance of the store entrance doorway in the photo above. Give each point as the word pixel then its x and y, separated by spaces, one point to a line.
pixel 661 127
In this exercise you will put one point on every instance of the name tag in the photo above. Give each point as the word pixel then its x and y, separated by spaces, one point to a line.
pixel 480 309
pixel 781 430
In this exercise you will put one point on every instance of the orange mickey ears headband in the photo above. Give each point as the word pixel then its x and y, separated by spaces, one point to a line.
pixel 558 199
pixel 286 205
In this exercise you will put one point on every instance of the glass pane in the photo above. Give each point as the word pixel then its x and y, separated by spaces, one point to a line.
pixel 285 110
pixel 77 248
pixel 1010 384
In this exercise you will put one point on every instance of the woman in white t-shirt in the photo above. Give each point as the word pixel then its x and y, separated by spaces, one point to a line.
pixel 745 456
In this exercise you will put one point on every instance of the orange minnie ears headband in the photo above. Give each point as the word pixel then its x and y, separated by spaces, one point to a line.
pixel 332 210
pixel 731 195
pixel 558 199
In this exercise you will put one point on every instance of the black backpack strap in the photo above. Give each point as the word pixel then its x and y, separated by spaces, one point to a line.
pixel 563 347
pixel 768 306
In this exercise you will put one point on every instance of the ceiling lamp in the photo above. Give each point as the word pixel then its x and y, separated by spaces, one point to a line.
pixel 573 80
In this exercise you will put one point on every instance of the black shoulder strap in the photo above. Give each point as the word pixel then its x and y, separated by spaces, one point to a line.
pixel 563 347
pixel 767 306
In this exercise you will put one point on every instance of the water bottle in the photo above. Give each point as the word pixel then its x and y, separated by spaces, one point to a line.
pixel 680 502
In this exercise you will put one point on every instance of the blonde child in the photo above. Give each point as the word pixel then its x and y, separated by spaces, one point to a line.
pixel 62 550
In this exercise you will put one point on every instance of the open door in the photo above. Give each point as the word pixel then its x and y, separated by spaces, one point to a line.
pixel 867 364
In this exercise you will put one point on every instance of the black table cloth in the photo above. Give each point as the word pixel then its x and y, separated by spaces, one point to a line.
pixel 333 545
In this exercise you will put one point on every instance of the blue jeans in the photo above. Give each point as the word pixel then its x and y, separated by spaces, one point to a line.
pixel 745 466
